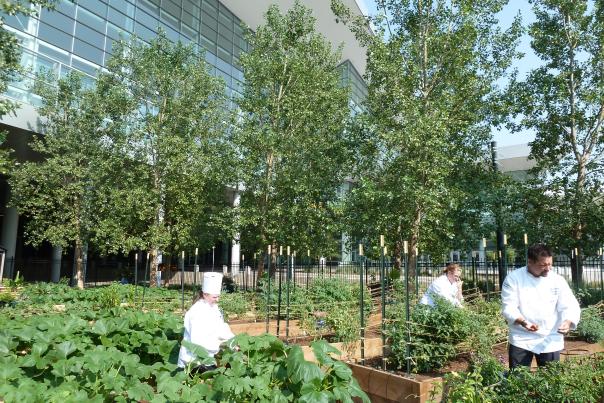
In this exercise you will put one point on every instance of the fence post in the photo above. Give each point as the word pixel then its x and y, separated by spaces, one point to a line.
pixel 407 313
pixel 268 292
pixel 382 280
pixel 362 303
pixel 279 264
pixel 288 280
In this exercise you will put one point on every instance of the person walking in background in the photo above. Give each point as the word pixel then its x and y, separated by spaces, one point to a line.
pixel 204 323
pixel 540 309
pixel 447 286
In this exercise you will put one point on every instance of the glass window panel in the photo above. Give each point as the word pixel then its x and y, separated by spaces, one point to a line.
pixel 191 7
pixel 223 54
pixel 87 51
pixel 190 20
pixel 209 20
pixel 66 7
pixel 57 20
pixel 224 18
pixel 90 35
pixel 96 6
pixel 19 22
pixel 208 44
pixel 225 43
pixel 188 32
pixel 169 20
pixel 224 66
pixel 91 20
pixel 84 66
pixel 171 33
pixel 120 20
pixel 116 33
pixel 171 8
pixel 227 32
pixel 150 7
pixel 146 19
pixel 123 6
pixel 208 33
pixel 144 32
pixel 210 58
pixel 54 36
pixel 211 4
pixel 53 52
pixel 43 63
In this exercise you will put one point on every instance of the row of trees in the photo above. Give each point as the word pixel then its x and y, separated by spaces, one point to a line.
pixel 142 160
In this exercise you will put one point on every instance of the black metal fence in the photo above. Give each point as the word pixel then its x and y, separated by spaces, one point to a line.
pixel 481 273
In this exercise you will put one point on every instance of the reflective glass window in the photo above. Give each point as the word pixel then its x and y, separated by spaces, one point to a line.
pixel 96 6
pixel 151 7
pixel 146 19
pixel 84 66
pixel 190 21
pixel 90 19
pixel 191 7
pixel 144 32
pixel 169 20
pixel 19 22
pixel 87 51
pixel 54 36
pixel 172 8
pixel 120 20
pixel 90 35
pixel 57 20
pixel 66 7
pixel 123 6
pixel 53 52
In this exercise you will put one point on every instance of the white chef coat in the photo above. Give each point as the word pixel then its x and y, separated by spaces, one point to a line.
pixel 443 288
pixel 205 326
pixel 544 301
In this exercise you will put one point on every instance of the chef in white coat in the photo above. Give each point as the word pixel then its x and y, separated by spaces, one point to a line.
pixel 540 309
pixel 204 324
pixel 447 286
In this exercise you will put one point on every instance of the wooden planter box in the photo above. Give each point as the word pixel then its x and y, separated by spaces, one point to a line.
pixel 385 387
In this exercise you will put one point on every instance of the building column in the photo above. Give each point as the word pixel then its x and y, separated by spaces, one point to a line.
pixel 236 245
pixel 55 264
pixel 8 239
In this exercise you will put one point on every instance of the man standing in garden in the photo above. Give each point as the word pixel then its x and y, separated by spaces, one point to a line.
pixel 540 309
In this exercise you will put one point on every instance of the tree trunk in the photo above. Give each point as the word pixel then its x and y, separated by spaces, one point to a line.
pixel 153 268
pixel 79 269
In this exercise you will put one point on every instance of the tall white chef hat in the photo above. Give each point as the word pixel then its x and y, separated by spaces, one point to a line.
pixel 212 283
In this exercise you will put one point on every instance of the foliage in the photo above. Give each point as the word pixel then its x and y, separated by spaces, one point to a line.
pixel 235 303
pixel 432 69
pixel 58 193
pixel 263 368
pixel 291 135
pixel 561 102
pixel 437 334
pixel 571 380
pixel 591 325
pixel 113 354
pixel 15 283
pixel 170 156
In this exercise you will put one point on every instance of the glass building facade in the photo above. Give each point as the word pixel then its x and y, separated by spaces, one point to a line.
pixel 80 34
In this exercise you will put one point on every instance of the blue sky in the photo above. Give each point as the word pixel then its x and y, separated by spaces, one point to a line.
pixel 527 63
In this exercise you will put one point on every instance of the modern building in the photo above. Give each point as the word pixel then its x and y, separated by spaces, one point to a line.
pixel 79 35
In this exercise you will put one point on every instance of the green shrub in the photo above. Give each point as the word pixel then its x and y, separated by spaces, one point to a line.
pixel 235 303
pixel 591 326
pixel 572 380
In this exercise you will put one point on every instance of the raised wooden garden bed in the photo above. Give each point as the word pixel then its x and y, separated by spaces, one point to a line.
pixel 389 387
pixel 386 387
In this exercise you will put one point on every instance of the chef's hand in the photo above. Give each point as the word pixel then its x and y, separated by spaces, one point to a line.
pixel 531 327
pixel 565 327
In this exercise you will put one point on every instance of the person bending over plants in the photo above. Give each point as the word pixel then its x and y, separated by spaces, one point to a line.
pixel 540 309
pixel 204 323
pixel 447 286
